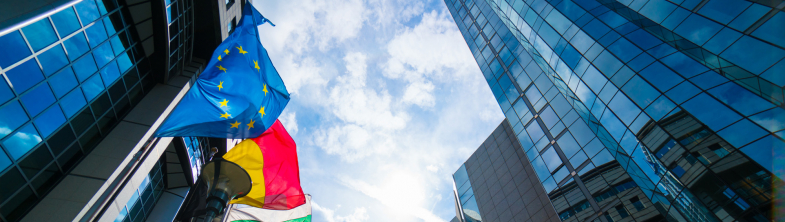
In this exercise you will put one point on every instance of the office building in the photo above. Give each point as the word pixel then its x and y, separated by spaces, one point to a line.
pixel 85 84
pixel 642 110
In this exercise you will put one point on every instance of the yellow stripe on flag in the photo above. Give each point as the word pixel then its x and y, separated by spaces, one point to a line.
pixel 248 155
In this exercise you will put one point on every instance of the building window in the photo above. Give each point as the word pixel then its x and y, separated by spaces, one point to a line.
pixel 608 217
pixel 719 150
pixel 622 212
pixel 230 27
pixel 229 3
pixel 678 170
pixel 637 203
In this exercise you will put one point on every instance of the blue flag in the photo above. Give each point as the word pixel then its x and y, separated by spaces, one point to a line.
pixel 239 95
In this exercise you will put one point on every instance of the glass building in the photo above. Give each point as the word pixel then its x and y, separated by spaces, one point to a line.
pixel 639 110
pixel 84 85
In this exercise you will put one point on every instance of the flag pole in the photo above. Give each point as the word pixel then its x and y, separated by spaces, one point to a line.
pixel 226 214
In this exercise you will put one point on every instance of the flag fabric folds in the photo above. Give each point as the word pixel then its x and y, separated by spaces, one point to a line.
pixel 301 213
pixel 238 95
pixel 271 161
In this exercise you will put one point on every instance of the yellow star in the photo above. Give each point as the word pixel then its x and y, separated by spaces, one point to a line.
pixel 226 51
pixel 219 58
pixel 256 65
pixel 220 85
pixel 262 111
pixel 250 125
pixel 223 103
pixel 226 115
pixel 221 68
pixel 235 124
pixel 241 50
pixel 264 90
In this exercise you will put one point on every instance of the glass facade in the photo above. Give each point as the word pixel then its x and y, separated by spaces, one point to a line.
pixel 144 198
pixel 66 80
pixel 180 18
pixel 622 105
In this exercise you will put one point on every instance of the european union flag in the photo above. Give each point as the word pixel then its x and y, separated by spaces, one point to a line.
pixel 239 94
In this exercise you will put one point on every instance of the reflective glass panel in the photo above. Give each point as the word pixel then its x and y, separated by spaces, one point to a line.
pixel 624 108
pixel 740 99
pixel 741 133
pixel 773 120
pixel 12 42
pixel 25 75
pixel 540 168
pixel 764 151
pixel 65 22
pixel 92 87
pixel 53 59
pixel 11 117
pixel 110 73
pixel 766 55
pixel 724 11
pixel 40 34
pixel 38 99
pixel 22 141
pixel 710 112
pixel 568 145
pixel 76 46
pixel 73 102
pixel 5 91
pixel 49 121
pixel 84 68
pixel 103 54
pixel 87 11
pixel 698 29
pixel 551 159
pixel 96 33
pixel 640 92
pixel 63 82
pixel 772 30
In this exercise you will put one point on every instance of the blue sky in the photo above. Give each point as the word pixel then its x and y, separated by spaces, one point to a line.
pixel 387 102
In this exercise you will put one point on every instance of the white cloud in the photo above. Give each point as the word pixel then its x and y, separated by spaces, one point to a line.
pixel 398 192
pixel 360 214
pixel 432 168
pixel 419 93
pixel 289 121
pixel 433 48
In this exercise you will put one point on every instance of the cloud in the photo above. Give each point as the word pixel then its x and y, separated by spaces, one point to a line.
pixel 419 93
pixel 360 214
pixel 433 48
pixel 397 192
pixel 289 121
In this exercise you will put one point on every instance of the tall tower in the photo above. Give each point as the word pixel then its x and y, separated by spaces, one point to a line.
pixel 642 109
pixel 83 86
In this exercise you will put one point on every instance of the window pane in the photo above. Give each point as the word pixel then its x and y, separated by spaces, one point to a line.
pixel 49 121
pixel 25 75
pixel 110 73
pixel 76 46
pixel 11 117
pixel 766 55
pixel 724 11
pixel 12 42
pixel 568 145
pixel 551 159
pixel 103 54
pixel 63 82
pixel 96 33
pixel 124 62
pixel 5 92
pixel 740 99
pixel 40 34
pixel 749 16
pixel 710 112
pixel 772 30
pixel 660 76
pixel 73 102
pixel 84 68
pixel 698 29
pixel 624 108
pixel 773 120
pixel 92 87
pixel 741 133
pixel 53 59
pixel 764 151
pixel 640 92
pixel 66 22
pixel 540 169
pixel 38 99
pixel 684 65
pixel 22 141
pixel 87 11
pixel 117 45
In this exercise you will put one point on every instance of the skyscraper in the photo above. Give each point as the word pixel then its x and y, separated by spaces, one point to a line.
pixel 84 85
pixel 644 109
